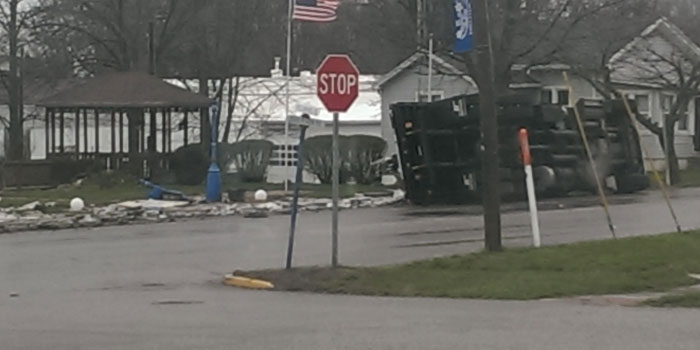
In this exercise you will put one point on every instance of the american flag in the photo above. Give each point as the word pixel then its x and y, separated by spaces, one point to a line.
pixel 316 10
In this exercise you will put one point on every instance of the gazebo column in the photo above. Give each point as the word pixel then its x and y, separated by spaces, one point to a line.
pixel 186 127
pixel 47 130
pixel 121 132
pixel 62 131
pixel 164 126
pixel 97 133
pixel 113 139
pixel 77 134
pixel 85 133
pixel 53 131
pixel 153 133
pixel 170 131
pixel 142 126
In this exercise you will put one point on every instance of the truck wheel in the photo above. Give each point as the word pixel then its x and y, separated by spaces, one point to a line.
pixel 631 183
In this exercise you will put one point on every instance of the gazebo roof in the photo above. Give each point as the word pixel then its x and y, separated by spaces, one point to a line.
pixel 125 90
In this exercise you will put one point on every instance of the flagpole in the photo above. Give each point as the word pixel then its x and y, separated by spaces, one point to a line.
pixel 430 69
pixel 289 80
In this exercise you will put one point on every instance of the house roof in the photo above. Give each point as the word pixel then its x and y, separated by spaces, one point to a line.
pixel 264 99
pixel 441 63
pixel 667 30
pixel 125 90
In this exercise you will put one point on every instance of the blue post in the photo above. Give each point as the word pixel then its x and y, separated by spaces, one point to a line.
pixel 295 199
pixel 214 175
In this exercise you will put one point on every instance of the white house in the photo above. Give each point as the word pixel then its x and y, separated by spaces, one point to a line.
pixel 630 69
pixel 410 82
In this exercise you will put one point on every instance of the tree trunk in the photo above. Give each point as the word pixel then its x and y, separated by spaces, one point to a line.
pixel 233 91
pixel 205 125
pixel 671 156
pixel 16 151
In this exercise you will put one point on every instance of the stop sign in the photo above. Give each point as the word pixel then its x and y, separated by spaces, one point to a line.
pixel 338 83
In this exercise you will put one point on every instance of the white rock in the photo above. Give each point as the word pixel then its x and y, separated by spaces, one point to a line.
pixel 389 180
pixel 30 206
pixel 260 195
pixel 77 204
pixel 89 220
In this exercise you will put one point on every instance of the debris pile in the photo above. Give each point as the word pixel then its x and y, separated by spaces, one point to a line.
pixel 35 216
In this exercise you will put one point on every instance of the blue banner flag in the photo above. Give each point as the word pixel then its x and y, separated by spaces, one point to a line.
pixel 464 33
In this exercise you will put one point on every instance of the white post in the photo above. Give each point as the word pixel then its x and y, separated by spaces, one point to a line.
pixel 430 69
pixel 530 184
pixel 288 82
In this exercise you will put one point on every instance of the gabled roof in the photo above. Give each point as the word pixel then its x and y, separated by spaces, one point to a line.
pixel 126 90
pixel 441 63
pixel 668 31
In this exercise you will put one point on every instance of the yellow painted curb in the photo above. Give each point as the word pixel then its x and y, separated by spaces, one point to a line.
pixel 248 283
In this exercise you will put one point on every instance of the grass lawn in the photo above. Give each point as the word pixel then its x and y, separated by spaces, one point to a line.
pixel 131 190
pixel 90 192
pixel 658 263
pixel 689 177
pixel 688 299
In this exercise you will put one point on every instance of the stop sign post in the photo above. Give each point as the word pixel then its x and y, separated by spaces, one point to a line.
pixel 338 86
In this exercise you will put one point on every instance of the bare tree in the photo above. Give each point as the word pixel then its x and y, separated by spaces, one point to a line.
pixel 668 68
pixel 14 20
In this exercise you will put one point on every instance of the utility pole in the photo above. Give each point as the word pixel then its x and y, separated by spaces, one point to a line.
pixel 152 48
pixel 490 176
pixel 16 151
pixel 422 23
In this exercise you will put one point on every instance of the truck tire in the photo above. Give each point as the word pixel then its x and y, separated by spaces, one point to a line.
pixel 631 183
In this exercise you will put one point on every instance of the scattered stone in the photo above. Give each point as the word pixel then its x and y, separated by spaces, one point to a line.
pixel 89 221
pixel 30 206
pixel 29 216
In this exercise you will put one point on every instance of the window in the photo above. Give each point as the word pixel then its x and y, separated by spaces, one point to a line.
pixel 547 97
pixel 422 96
pixel 683 121
pixel 563 97
pixel 278 155
pixel 643 105
pixel 557 96
pixel 667 102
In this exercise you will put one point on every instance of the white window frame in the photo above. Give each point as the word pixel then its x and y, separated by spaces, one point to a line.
pixel 554 90
pixel 632 96
pixel 690 125
pixel 439 93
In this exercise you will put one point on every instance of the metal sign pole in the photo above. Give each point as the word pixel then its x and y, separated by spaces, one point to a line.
pixel 295 200
pixel 336 189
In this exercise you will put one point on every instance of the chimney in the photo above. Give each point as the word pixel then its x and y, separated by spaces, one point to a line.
pixel 307 78
pixel 277 72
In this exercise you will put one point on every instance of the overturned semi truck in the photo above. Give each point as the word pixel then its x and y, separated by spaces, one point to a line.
pixel 440 148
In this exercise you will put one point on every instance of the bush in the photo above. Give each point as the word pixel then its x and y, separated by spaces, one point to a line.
pixel 251 157
pixel 363 151
pixel 318 158
pixel 190 164
pixel 67 169
pixel 111 179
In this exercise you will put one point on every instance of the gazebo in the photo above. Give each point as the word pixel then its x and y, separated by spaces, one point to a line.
pixel 140 102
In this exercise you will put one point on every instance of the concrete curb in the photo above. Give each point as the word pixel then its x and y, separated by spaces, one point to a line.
pixel 246 283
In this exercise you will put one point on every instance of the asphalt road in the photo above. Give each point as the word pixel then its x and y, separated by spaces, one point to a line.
pixel 156 287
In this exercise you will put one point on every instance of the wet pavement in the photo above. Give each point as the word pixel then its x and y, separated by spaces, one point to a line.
pixel 156 286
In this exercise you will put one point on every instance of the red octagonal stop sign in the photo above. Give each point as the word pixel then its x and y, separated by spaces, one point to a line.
pixel 338 83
